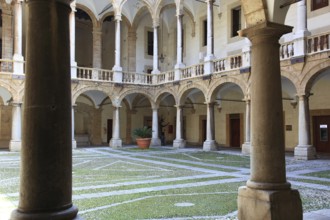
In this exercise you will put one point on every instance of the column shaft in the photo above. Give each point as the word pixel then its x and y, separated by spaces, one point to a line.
pixel 18 28
pixel 179 142
pixel 267 154
pixel 117 46
pixel 210 28
pixel 16 128
pixel 46 158
pixel 115 141
pixel 155 141
pixel 304 150
pixel 97 47
pixel 73 41
pixel 155 56
pixel 74 143
pixel 179 39
pixel 209 143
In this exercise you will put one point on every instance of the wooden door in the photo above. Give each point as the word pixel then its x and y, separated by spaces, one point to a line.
pixel 235 132
pixel 321 133
pixel 109 130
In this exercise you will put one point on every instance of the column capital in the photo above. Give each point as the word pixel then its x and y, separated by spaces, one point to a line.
pixel 209 1
pixel 258 32
pixel 16 104
pixel 118 17
pixel 178 106
pixel 155 23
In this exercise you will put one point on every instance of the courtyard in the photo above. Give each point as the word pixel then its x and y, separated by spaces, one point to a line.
pixel 165 183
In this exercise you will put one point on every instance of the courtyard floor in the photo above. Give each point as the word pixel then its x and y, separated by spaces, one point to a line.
pixel 167 184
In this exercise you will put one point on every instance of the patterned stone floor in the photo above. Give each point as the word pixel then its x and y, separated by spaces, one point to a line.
pixel 170 184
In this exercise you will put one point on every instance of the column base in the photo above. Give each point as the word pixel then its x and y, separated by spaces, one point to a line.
pixel 209 145
pixel 117 74
pixel 15 146
pixel 208 64
pixel 155 142
pixel 115 143
pixel 246 148
pixel 74 144
pixel 179 143
pixel 269 204
pixel 18 67
pixel 69 214
pixel 73 70
pixel 304 152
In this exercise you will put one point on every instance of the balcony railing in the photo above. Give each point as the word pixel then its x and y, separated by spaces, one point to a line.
pixel 314 44
pixel 318 43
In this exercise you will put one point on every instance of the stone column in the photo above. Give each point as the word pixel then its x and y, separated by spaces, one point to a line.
pixel 16 128
pixel 301 30
pixel 7 32
pixel 115 141
pixel 132 50
pixel 46 155
pixel 74 142
pixel 209 143
pixel 208 60
pixel 246 147
pixel 18 57
pixel 73 40
pixel 118 77
pixel 97 47
pixel 179 142
pixel 304 150
pixel 155 56
pixel 155 141
pixel 179 65
pixel 267 190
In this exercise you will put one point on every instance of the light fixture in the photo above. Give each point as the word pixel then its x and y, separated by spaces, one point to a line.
pixel 162 56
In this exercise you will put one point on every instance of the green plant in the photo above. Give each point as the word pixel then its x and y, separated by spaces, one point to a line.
pixel 144 132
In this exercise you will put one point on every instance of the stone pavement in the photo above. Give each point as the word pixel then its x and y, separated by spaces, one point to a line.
pixel 297 172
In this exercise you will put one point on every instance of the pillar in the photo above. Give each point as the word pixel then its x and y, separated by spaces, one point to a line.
pixel 74 142
pixel 267 190
pixel 18 57
pixel 46 155
pixel 304 150
pixel 115 141
pixel 7 32
pixel 118 77
pixel 132 50
pixel 16 128
pixel 246 147
pixel 209 143
pixel 301 30
pixel 155 141
pixel 73 40
pixel 208 60
pixel 179 142
pixel 179 65
pixel 97 47
pixel 155 56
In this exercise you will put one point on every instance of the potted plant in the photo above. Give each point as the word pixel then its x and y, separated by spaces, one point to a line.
pixel 143 137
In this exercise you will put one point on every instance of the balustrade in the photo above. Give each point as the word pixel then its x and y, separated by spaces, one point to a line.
pixel 6 66
pixel 318 43
pixel 287 50
pixel 219 65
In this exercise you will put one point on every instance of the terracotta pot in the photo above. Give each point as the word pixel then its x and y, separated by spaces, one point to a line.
pixel 143 143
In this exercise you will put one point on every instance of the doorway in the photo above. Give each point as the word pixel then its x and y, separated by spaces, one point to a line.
pixel 109 135
pixel 321 125
pixel 235 130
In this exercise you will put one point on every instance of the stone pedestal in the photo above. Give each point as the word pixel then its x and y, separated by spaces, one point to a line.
pixel 115 143
pixel 256 204
pixel 155 142
pixel 209 145
pixel 246 148
pixel 306 152
pixel 179 143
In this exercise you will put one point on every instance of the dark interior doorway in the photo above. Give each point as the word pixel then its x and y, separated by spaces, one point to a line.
pixel 321 125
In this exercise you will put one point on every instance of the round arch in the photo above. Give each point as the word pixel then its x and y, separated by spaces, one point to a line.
pixel 7 89
pixel 95 22
pixel 213 87
pixel 159 95
pixel 77 93
pixel 184 93
pixel 134 91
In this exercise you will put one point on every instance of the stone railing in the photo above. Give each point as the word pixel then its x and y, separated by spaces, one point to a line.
pixel 219 65
pixel 137 78
pixel 287 50
pixel 318 43
pixel 165 77
pixel 192 71
pixel 6 66
pixel 94 74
